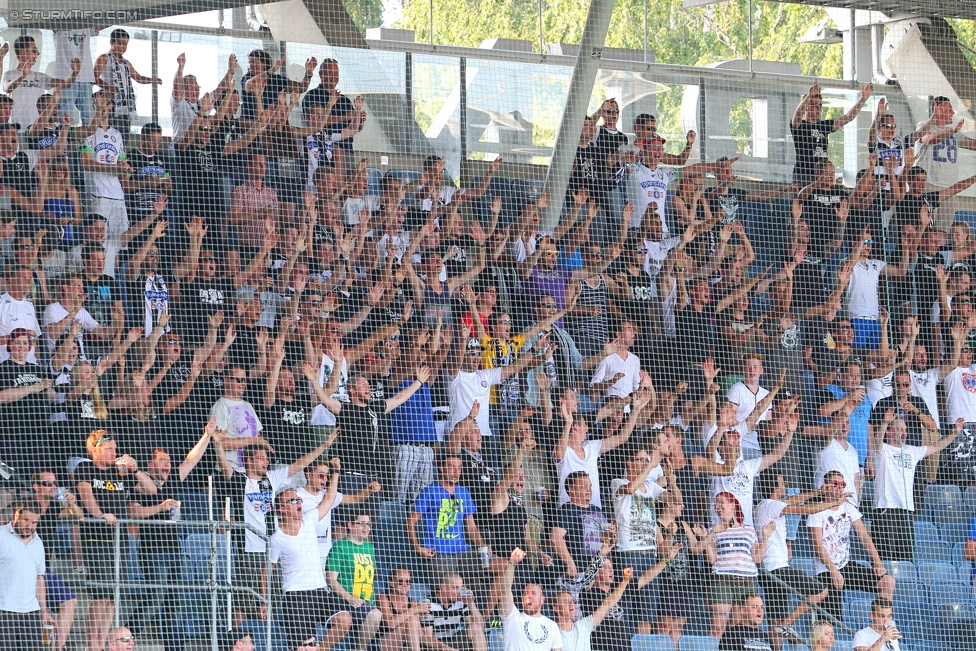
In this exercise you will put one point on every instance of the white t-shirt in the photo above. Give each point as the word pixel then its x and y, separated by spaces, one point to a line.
pixel 301 568
pixel 960 388
pixel 743 396
pixel 468 387
pixel 894 481
pixel 777 553
pixel 20 565
pixel 320 414
pixel 861 295
pixel 323 528
pixel 55 312
pixel 578 637
pixel 880 388
pixel 355 205
pixel 183 113
pixel 657 253
pixel 924 386
pixel 239 420
pixel 836 525
pixel 647 187
pixel 74 44
pixel 636 515
pixel 867 636
pixel 25 96
pixel 256 505
pixel 614 364
pixel 524 633
pixel 941 160
pixel 740 483
pixel 835 457
pixel 572 462
pixel 17 314
pixel 108 149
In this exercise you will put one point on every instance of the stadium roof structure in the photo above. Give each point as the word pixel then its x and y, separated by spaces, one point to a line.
pixel 934 8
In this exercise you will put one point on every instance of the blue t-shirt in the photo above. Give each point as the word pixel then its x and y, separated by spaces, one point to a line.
pixel 413 421
pixel 443 517
pixel 972 536
pixel 859 424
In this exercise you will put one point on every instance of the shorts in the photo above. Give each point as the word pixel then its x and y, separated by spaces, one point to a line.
pixel 856 577
pixel 867 333
pixel 99 559
pixel 728 589
pixel 57 592
pixel 302 610
pixel 778 596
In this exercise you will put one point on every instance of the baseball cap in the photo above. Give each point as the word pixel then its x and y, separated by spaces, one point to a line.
pixel 654 138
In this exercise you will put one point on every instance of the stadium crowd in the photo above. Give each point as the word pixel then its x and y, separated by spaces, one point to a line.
pixel 595 423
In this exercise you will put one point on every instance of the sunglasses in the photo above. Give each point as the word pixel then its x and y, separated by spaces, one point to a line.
pixel 363 524
pixel 552 254
pixel 549 305
pixel 903 384
pixel 887 125
pixel 293 500
pixel 153 254
pixel 642 250
pixel 47 483
pixel 126 638
pixel 505 322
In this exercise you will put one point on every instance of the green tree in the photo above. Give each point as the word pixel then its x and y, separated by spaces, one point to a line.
pixel 675 34
pixel 365 13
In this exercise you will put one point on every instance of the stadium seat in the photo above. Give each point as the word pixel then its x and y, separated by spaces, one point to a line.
pixel 928 573
pixel 697 643
pixel 496 641
pixel 933 551
pixel 925 532
pixel 944 504
pixel 954 532
pixel 945 593
pixel 902 570
pixel 959 554
pixel 964 574
pixel 805 565
pixel 651 643
pixel 419 591
pixel 857 613
pixel 970 498
pixel 374 177
pixel 866 498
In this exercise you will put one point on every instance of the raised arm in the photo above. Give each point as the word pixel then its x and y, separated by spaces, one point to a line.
pixel 613 598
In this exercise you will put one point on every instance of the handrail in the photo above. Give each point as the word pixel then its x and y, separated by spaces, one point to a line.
pixel 212 585
pixel 816 607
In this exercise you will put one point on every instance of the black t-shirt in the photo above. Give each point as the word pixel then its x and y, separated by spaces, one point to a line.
pixel 244 349
pixel 158 538
pixel 912 422
pixel 47 526
pixel 357 445
pixel 581 526
pixel 287 428
pixel 696 333
pixel 909 209
pixel 145 167
pixel 726 206
pixel 457 264
pixel 809 288
pixel 820 213
pixel 618 626
pixel 19 173
pixel 343 106
pixel 30 413
pixel 507 529
pixel 478 477
pixel 198 300
pixel 586 171
pixel 743 638
pixel 810 144
pixel 112 493
pixel 199 175
pixel 607 142
pixel 274 84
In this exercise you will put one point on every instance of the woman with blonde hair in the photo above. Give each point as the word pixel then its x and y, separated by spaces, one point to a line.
pixel 821 637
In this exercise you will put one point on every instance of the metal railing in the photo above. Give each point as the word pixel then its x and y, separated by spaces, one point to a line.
pixel 215 587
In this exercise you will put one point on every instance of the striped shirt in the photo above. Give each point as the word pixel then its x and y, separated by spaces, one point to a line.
pixel 446 621
pixel 733 552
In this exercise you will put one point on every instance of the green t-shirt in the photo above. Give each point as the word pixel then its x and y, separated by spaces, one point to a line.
pixel 355 566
